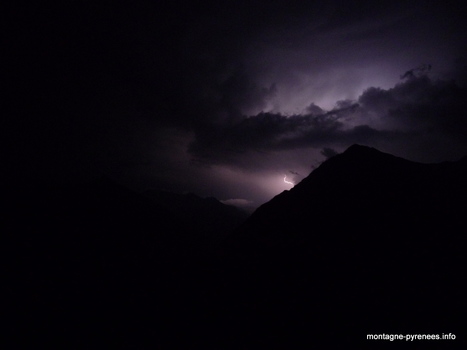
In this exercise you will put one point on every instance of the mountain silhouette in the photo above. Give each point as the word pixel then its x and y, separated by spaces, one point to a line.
pixel 207 216
pixel 367 189
pixel 367 243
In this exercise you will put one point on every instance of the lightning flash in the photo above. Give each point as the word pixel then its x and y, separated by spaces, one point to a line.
pixel 287 182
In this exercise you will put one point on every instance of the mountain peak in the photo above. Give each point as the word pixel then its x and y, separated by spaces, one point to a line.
pixel 355 178
pixel 364 152
pixel 357 161
pixel 360 148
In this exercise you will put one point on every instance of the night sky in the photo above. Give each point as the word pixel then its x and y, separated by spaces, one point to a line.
pixel 225 98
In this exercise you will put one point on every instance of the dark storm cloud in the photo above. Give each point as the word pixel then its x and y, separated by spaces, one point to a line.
pixel 262 132
pixel 416 72
pixel 141 91
pixel 417 109
pixel 314 109
pixel 421 103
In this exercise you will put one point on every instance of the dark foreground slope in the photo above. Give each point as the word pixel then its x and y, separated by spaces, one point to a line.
pixel 367 243
pixel 99 266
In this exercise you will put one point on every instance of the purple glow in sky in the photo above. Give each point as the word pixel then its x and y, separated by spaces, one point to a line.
pixel 224 98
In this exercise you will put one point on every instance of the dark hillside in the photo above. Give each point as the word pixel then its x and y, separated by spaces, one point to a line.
pixel 98 265
pixel 367 243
